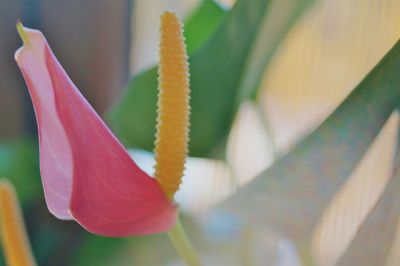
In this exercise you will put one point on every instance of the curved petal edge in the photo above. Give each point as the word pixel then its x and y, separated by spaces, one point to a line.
pixel 87 174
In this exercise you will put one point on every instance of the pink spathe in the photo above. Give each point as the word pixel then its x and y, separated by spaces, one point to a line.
pixel 87 174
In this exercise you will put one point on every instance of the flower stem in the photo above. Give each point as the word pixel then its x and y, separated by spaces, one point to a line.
pixel 182 245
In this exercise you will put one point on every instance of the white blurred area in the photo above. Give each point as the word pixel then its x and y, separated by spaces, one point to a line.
pixel 144 28
pixel 322 59
pixel 207 182
pixel 204 183
pixel 250 149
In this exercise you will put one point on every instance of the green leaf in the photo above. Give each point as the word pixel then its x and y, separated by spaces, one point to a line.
pixel 138 250
pixel 380 226
pixel 293 193
pixel 97 250
pixel 19 163
pixel 202 23
pixel 219 71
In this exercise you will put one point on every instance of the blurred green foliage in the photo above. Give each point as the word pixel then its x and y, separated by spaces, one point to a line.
pixel 201 24
pixel 19 162
pixel 219 69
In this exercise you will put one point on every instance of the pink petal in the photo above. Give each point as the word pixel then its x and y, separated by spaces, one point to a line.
pixel 55 153
pixel 110 195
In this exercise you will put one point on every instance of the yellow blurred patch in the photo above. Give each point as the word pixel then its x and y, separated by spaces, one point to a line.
pixel 14 240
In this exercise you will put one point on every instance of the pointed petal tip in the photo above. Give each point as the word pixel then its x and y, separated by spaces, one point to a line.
pixel 31 38
pixel 22 32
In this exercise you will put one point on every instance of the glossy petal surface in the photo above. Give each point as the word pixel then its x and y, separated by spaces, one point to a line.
pixel 107 192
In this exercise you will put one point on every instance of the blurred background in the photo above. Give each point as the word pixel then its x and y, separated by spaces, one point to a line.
pixel 324 53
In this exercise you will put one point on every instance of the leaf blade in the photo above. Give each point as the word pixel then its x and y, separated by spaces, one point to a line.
pixel 307 192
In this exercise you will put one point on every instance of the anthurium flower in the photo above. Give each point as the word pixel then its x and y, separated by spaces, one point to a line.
pixel 87 174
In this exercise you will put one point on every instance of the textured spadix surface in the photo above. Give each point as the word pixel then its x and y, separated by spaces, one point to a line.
pixel 172 137
pixel 87 174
